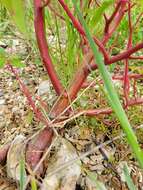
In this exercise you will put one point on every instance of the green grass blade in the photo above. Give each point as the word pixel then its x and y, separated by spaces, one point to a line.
pixel 111 93
pixel 22 174
pixel 33 184
pixel 93 178
pixel 129 180
pixel 99 12
pixel 17 13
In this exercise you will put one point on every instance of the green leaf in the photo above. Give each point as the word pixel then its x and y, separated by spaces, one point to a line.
pixel 2 58
pixel 16 62
pixel 2 62
pixel 2 52
pixel 7 4
pixel 33 184
pixel 29 117
pixel 128 178
pixel 97 13
pixel 16 10
pixel 92 176
pixel 22 174
pixel 141 3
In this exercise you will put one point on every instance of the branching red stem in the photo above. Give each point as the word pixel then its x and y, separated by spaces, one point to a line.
pixel 95 112
pixel 80 29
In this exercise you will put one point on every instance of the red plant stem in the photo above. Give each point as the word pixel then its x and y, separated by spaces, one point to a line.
pixel 108 21
pixel 126 54
pixel 56 13
pixel 85 69
pixel 3 153
pixel 42 103
pixel 81 76
pixel 44 3
pixel 95 112
pixel 126 78
pixel 89 3
pixel 75 22
pixel 136 101
pixel 126 86
pixel 114 42
pixel 26 92
pixel 88 84
pixel 137 21
pixel 114 77
pixel 81 4
pixel 130 26
pixel 74 87
pixel 43 46
pixel 98 4
pixel 117 20
pixel 131 76
pixel 36 147
pixel 119 57
pixel 136 57
pixel 80 29
pixel 134 88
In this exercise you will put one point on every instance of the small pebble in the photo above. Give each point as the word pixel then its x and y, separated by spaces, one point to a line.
pixel 1 93
pixel 2 101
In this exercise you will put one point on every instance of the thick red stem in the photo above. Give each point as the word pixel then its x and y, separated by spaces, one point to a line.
pixel 136 57
pixel 74 87
pixel 95 112
pixel 126 54
pixel 3 153
pixel 126 85
pixel 43 46
pixel 131 76
pixel 36 147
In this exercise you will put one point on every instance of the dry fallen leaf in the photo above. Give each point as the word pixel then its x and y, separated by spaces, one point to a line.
pixel 66 178
pixel 15 154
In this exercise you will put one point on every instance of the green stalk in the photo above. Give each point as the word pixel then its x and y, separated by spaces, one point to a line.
pixel 128 178
pixel 111 93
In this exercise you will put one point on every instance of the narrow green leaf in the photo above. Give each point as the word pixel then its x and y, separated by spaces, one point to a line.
pixel 22 174
pixel 2 58
pixel 111 93
pixel 33 184
pixel 7 4
pixel 19 15
pixel 97 14
pixel 16 10
pixel 141 3
pixel 2 52
pixel 128 178
pixel 29 117
pixel 93 178
pixel 15 61
pixel 2 62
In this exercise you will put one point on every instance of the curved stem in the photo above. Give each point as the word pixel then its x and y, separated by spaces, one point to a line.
pixel 80 29
pixel 43 46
